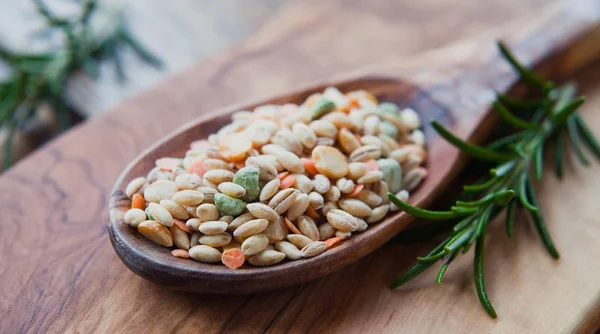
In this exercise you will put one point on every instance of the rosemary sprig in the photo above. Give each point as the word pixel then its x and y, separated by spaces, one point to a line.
pixel 41 78
pixel 518 159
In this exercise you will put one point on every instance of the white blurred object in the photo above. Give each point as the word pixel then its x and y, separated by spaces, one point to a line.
pixel 589 9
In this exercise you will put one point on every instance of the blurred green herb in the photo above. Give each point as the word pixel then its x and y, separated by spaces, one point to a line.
pixel 518 157
pixel 41 78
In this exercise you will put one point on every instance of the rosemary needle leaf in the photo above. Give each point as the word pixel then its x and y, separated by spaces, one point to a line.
pixel 88 9
pixel 90 67
pixel 417 268
pixel 563 95
pixel 511 119
pixel 6 55
pixel 537 161
pixel 575 141
pixel 587 136
pixel 432 258
pixel 511 102
pixel 558 154
pixel 525 74
pixel 502 169
pixel 499 143
pixel 479 278
pixel 540 225
pixel 480 186
pixel 118 65
pixel 483 220
pixel 62 113
pixel 422 213
pixel 462 210
pixel 6 105
pixel 458 240
pixel 463 223
pixel 50 18
pixel 518 149
pixel 441 273
pixel 8 143
pixel 476 203
pixel 504 197
pixel 410 274
pixel 563 114
pixel 523 194
pixel 510 217
pixel 475 151
pixel 139 49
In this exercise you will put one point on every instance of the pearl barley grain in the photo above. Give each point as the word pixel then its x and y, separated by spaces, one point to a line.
pixel 134 186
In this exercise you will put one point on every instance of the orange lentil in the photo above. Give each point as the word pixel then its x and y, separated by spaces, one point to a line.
pixel 291 226
pixel 233 258
pixel 197 167
pixel 332 241
pixel 363 93
pixel 287 182
pixel 138 202
pixel 352 104
pixel 356 190
pixel 182 226
pixel 309 166
pixel 180 253
pixel 310 211
pixel 282 175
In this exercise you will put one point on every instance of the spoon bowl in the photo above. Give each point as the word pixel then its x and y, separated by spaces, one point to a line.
pixel 455 93
pixel 156 263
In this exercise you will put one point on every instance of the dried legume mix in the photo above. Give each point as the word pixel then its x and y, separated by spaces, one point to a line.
pixel 282 182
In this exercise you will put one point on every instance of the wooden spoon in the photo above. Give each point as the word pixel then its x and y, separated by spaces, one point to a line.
pixel 454 86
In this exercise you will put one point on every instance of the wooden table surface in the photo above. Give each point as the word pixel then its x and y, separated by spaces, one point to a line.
pixel 60 274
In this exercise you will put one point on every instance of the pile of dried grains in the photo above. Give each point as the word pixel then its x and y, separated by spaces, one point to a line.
pixel 283 181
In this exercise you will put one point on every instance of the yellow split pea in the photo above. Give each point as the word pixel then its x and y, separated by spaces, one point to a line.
pixel 330 162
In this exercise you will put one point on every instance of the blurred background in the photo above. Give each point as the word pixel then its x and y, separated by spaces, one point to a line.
pixel 184 33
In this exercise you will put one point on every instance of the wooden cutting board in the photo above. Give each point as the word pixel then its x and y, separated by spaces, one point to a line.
pixel 60 274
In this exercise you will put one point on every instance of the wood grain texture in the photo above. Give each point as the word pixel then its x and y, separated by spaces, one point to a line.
pixel 60 274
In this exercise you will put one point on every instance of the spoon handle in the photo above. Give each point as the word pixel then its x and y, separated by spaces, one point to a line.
pixel 465 76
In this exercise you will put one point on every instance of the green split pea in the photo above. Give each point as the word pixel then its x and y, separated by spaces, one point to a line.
pixel 247 178
pixel 321 107
pixel 392 174
pixel 228 205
